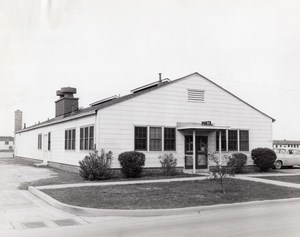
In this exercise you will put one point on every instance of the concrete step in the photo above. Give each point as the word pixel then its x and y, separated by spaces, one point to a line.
pixel 43 164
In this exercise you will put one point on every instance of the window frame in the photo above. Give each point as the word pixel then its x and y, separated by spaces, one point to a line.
pixel 40 141
pixel 49 141
pixel 173 140
pixel 147 138
pixel 235 140
pixel 227 139
pixel 223 140
pixel 70 139
pixel 86 141
pixel 137 139
pixel 159 140
pixel 244 140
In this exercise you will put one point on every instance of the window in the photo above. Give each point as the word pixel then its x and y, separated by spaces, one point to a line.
pixel 39 141
pixel 6 142
pixel 232 140
pixel 49 141
pixel 140 141
pixel 223 140
pixel 91 138
pixel 189 144
pixel 169 139
pixel 195 95
pixel 87 138
pixel 70 139
pixel 155 139
pixel 244 140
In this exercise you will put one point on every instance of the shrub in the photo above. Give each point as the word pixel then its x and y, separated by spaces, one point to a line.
pixel 132 163
pixel 237 162
pixel 95 166
pixel 264 158
pixel 168 163
pixel 220 171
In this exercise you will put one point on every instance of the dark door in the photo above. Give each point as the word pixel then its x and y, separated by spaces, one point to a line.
pixel 201 152
pixel 188 150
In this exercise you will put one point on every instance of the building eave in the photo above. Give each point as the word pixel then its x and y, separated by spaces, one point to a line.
pixel 62 120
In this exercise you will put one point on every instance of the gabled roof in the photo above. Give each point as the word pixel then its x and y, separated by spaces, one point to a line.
pixel 89 110
pixel 127 97
pixel 273 120
pixel 6 138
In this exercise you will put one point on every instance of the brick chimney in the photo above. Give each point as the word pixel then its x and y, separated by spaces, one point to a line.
pixel 66 104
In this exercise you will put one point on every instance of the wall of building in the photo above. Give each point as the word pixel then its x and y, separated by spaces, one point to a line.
pixel 286 146
pixel 167 106
pixel 4 146
pixel 27 142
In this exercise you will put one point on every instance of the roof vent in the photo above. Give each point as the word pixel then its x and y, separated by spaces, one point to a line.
pixel 104 100
pixel 195 95
pixel 150 85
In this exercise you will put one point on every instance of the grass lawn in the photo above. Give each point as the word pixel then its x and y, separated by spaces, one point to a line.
pixel 170 195
pixel 288 178
pixel 63 177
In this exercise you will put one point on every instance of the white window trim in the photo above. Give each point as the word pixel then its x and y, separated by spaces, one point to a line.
pixel 87 126
pixel 148 138
pixel 70 150
pixel 238 139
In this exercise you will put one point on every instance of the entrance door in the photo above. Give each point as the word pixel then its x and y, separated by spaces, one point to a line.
pixel 45 148
pixel 201 152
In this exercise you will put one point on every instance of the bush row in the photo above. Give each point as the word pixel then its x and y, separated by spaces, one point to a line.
pixel 97 166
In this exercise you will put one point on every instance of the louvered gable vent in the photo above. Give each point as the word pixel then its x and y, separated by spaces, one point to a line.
pixel 195 95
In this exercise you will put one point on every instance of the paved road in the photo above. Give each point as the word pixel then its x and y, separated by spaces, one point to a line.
pixel 272 220
pixel 19 209
pixel 21 213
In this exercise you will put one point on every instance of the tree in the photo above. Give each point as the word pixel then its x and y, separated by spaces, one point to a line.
pixel 220 171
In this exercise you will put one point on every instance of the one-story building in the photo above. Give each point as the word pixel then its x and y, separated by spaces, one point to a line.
pixel 6 143
pixel 286 144
pixel 187 117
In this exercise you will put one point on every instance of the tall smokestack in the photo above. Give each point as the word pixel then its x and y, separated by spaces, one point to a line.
pixel 18 120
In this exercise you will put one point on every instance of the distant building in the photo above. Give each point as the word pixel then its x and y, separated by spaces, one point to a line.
pixel 18 120
pixel 187 117
pixel 286 144
pixel 6 143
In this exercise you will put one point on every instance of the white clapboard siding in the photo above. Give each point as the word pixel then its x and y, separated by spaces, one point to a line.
pixel 170 104
pixel 27 142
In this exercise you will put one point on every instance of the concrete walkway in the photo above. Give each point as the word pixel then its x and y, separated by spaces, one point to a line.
pixel 121 183
pixel 269 181
pixel 249 177
pixel 20 209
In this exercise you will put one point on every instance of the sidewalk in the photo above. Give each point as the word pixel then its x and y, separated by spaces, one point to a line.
pixel 119 183
pixel 268 181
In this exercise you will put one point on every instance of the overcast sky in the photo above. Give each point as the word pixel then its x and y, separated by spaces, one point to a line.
pixel 103 48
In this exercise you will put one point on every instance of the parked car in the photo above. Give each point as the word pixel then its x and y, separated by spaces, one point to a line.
pixel 286 157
